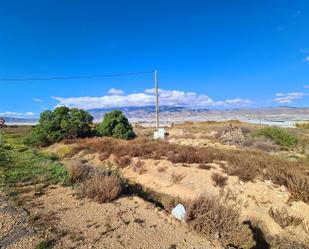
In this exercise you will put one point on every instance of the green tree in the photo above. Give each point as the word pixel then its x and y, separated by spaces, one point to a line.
pixel 115 124
pixel 59 124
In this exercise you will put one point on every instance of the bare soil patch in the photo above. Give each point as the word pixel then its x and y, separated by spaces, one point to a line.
pixel 128 222
pixel 15 230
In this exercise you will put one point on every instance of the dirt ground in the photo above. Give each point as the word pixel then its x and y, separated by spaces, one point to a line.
pixel 128 222
pixel 15 230
pixel 131 222
pixel 254 199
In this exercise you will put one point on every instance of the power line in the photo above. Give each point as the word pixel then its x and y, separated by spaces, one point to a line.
pixel 76 77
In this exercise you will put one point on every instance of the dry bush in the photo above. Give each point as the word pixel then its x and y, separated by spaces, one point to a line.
pixel 260 143
pixel 219 180
pixel 78 172
pixel 103 156
pixel 282 217
pixel 162 168
pixel 247 165
pixel 102 188
pixel 267 146
pixel 302 125
pixel 123 161
pixel 218 222
pixel 293 178
pixel 204 166
pixel 305 226
pixel 139 167
pixel 170 202
pixel 184 155
pixel 177 177
pixel 279 242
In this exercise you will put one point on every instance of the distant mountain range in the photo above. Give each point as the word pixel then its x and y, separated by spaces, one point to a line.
pixel 13 120
pixel 176 114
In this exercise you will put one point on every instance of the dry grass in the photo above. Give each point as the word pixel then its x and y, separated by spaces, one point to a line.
pixel 102 188
pixel 217 221
pixel 78 171
pixel 123 161
pixel 261 144
pixel 303 125
pixel 279 242
pixel 247 165
pixel 219 180
pixel 177 177
pixel 139 167
pixel 282 217
pixel 103 156
pixel 305 226
pixel 171 202
pixel 204 166
pixel 162 168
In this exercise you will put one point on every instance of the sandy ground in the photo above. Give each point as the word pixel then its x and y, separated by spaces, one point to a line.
pixel 128 222
pixel 15 231
pixel 253 199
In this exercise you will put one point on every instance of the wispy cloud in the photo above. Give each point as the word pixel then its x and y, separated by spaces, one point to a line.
pixel 307 59
pixel 18 114
pixel 114 91
pixel 37 100
pixel 286 98
pixel 147 98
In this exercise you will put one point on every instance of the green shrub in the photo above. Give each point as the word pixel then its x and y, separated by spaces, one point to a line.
pixel 115 124
pixel 279 136
pixel 59 124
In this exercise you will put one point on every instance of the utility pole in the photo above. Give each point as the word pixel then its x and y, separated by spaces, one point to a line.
pixel 157 98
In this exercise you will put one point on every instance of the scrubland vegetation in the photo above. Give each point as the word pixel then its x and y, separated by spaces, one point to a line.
pixel 279 136
pixel 101 184
pixel 304 125
pixel 247 165
pixel 218 221
pixel 282 217
pixel 22 164
pixel 102 188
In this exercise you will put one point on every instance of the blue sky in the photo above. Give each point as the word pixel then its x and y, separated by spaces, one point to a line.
pixel 216 54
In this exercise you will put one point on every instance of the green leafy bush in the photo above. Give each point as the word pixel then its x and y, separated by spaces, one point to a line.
pixel 115 124
pixel 59 124
pixel 279 136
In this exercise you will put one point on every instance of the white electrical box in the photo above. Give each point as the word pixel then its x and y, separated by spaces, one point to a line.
pixel 159 134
